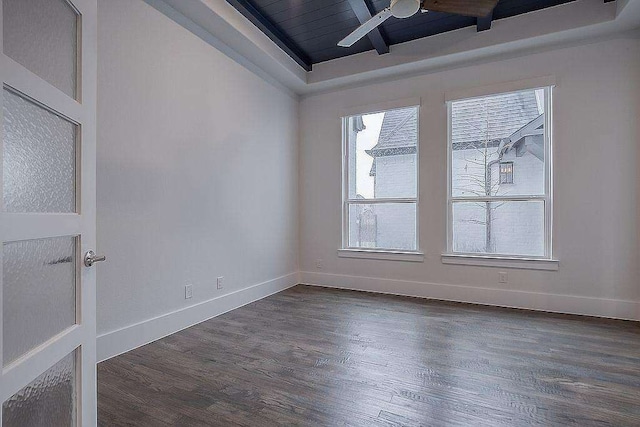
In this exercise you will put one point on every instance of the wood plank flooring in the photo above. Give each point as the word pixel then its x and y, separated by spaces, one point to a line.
pixel 322 357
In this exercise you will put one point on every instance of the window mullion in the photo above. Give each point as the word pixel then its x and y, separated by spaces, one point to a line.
pixel 381 201
pixel 498 198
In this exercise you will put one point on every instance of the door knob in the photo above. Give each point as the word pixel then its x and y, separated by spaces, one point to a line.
pixel 91 258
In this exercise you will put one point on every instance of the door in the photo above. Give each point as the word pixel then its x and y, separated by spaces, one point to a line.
pixel 47 222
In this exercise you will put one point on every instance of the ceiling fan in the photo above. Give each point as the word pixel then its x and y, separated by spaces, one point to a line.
pixel 407 8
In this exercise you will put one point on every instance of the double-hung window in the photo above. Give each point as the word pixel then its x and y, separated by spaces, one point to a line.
pixel 380 180
pixel 493 211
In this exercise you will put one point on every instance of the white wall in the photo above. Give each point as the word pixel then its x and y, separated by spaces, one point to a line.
pixel 197 178
pixel 597 186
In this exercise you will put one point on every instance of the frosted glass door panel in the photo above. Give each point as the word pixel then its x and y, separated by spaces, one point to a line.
pixel 49 400
pixel 39 292
pixel 39 158
pixel 41 35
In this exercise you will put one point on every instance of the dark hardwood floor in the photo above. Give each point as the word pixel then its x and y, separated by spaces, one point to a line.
pixel 315 356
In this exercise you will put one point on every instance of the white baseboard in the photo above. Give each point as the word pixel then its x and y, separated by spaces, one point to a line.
pixel 125 339
pixel 569 304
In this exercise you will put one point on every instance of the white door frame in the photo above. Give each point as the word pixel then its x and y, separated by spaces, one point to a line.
pixel 31 226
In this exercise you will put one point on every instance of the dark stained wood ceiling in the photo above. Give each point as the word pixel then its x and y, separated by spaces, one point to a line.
pixel 309 30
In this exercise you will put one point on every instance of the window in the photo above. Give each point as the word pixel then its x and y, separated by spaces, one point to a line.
pixel 381 180
pixel 490 213
pixel 506 173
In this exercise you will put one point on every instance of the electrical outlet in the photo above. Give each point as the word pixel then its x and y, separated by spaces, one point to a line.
pixel 503 277
pixel 188 291
pixel 220 282
pixel 319 264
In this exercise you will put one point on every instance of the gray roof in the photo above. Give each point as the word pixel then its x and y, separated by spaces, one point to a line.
pixel 491 118
pixel 474 120
pixel 398 135
pixel 399 130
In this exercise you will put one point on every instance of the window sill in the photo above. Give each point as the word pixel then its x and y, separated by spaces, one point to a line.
pixel 410 256
pixel 504 262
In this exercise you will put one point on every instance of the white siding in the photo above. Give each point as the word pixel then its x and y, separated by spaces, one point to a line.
pixel 516 228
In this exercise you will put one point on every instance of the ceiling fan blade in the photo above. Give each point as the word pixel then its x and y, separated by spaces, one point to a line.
pixel 477 8
pixel 364 29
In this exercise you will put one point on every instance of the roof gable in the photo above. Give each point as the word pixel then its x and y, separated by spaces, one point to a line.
pixel 399 130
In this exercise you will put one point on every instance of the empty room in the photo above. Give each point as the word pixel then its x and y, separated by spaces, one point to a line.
pixel 320 213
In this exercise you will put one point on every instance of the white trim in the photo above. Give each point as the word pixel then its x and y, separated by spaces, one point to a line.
pixel 344 206
pixel 504 262
pixel 37 360
pixel 570 24
pixel 567 304
pixel 81 110
pixel 381 201
pixel 579 22
pixel 449 204
pixel 388 255
pixel 346 200
pixel 500 88
pixel 121 340
pixel 547 197
pixel 86 203
pixel 224 28
pixel 548 172
pixel 459 199
pixel 28 85
pixel 19 226
pixel 380 107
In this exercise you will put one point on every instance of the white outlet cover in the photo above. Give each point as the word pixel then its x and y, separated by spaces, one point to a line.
pixel 188 291
pixel 220 282
pixel 504 277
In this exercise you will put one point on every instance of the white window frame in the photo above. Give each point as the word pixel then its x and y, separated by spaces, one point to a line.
pixel 544 262
pixel 347 251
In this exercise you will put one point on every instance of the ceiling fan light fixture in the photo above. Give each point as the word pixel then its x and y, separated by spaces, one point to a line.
pixel 404 8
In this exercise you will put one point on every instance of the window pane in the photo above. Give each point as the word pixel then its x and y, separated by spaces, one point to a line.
pixel 500 129
pixel 39 163
pixel 39 292
pixel 512 228
pixel 49 400
pixel 383 225
pixel 41 35
pixel 382 154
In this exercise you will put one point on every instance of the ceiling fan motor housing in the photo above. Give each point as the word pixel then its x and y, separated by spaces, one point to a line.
pixel 404 8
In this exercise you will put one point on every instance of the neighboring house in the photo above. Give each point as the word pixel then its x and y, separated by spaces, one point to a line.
pixel 392 226
pixel 497 149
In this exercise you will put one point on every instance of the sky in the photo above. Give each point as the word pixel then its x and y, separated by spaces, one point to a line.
pixel 367 139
